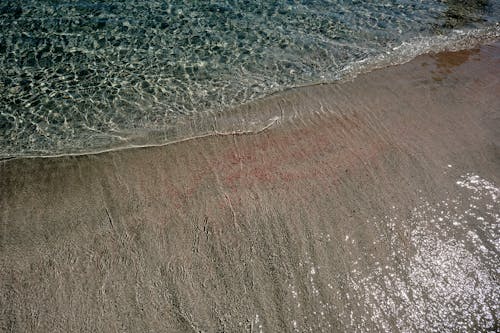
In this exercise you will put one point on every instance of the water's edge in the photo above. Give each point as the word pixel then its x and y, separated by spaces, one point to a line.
pixel 371 205
pixel 246 119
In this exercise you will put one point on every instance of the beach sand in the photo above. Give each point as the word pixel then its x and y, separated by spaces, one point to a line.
pixel 368 205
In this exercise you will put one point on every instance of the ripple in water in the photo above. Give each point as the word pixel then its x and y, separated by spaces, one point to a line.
pixel 79 76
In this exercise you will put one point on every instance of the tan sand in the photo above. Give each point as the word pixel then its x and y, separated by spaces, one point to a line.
pixel 369 205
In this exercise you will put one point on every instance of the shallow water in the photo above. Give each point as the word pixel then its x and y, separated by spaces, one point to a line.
pixel 446 281
pixel 80 76
pixel 371 206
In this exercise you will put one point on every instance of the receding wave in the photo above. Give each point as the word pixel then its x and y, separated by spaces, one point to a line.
pixel 86 77
pixel 455 41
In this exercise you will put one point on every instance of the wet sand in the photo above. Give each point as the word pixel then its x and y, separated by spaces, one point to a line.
pixel 370 205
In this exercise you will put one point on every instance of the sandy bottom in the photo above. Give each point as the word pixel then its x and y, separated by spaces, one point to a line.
pixel 371 205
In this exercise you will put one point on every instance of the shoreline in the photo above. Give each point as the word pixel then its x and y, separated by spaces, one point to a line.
pixel 369 205
pixel 192 123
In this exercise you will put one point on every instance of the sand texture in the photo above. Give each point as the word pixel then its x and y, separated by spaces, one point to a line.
pixel 371 205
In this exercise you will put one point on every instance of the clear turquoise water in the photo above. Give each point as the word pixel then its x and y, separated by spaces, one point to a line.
pixel 82 76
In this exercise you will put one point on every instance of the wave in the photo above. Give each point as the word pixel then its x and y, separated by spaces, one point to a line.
pixel 456 40
pixel 207 122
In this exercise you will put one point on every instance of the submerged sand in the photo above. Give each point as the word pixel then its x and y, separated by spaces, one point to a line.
pixel 371 205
